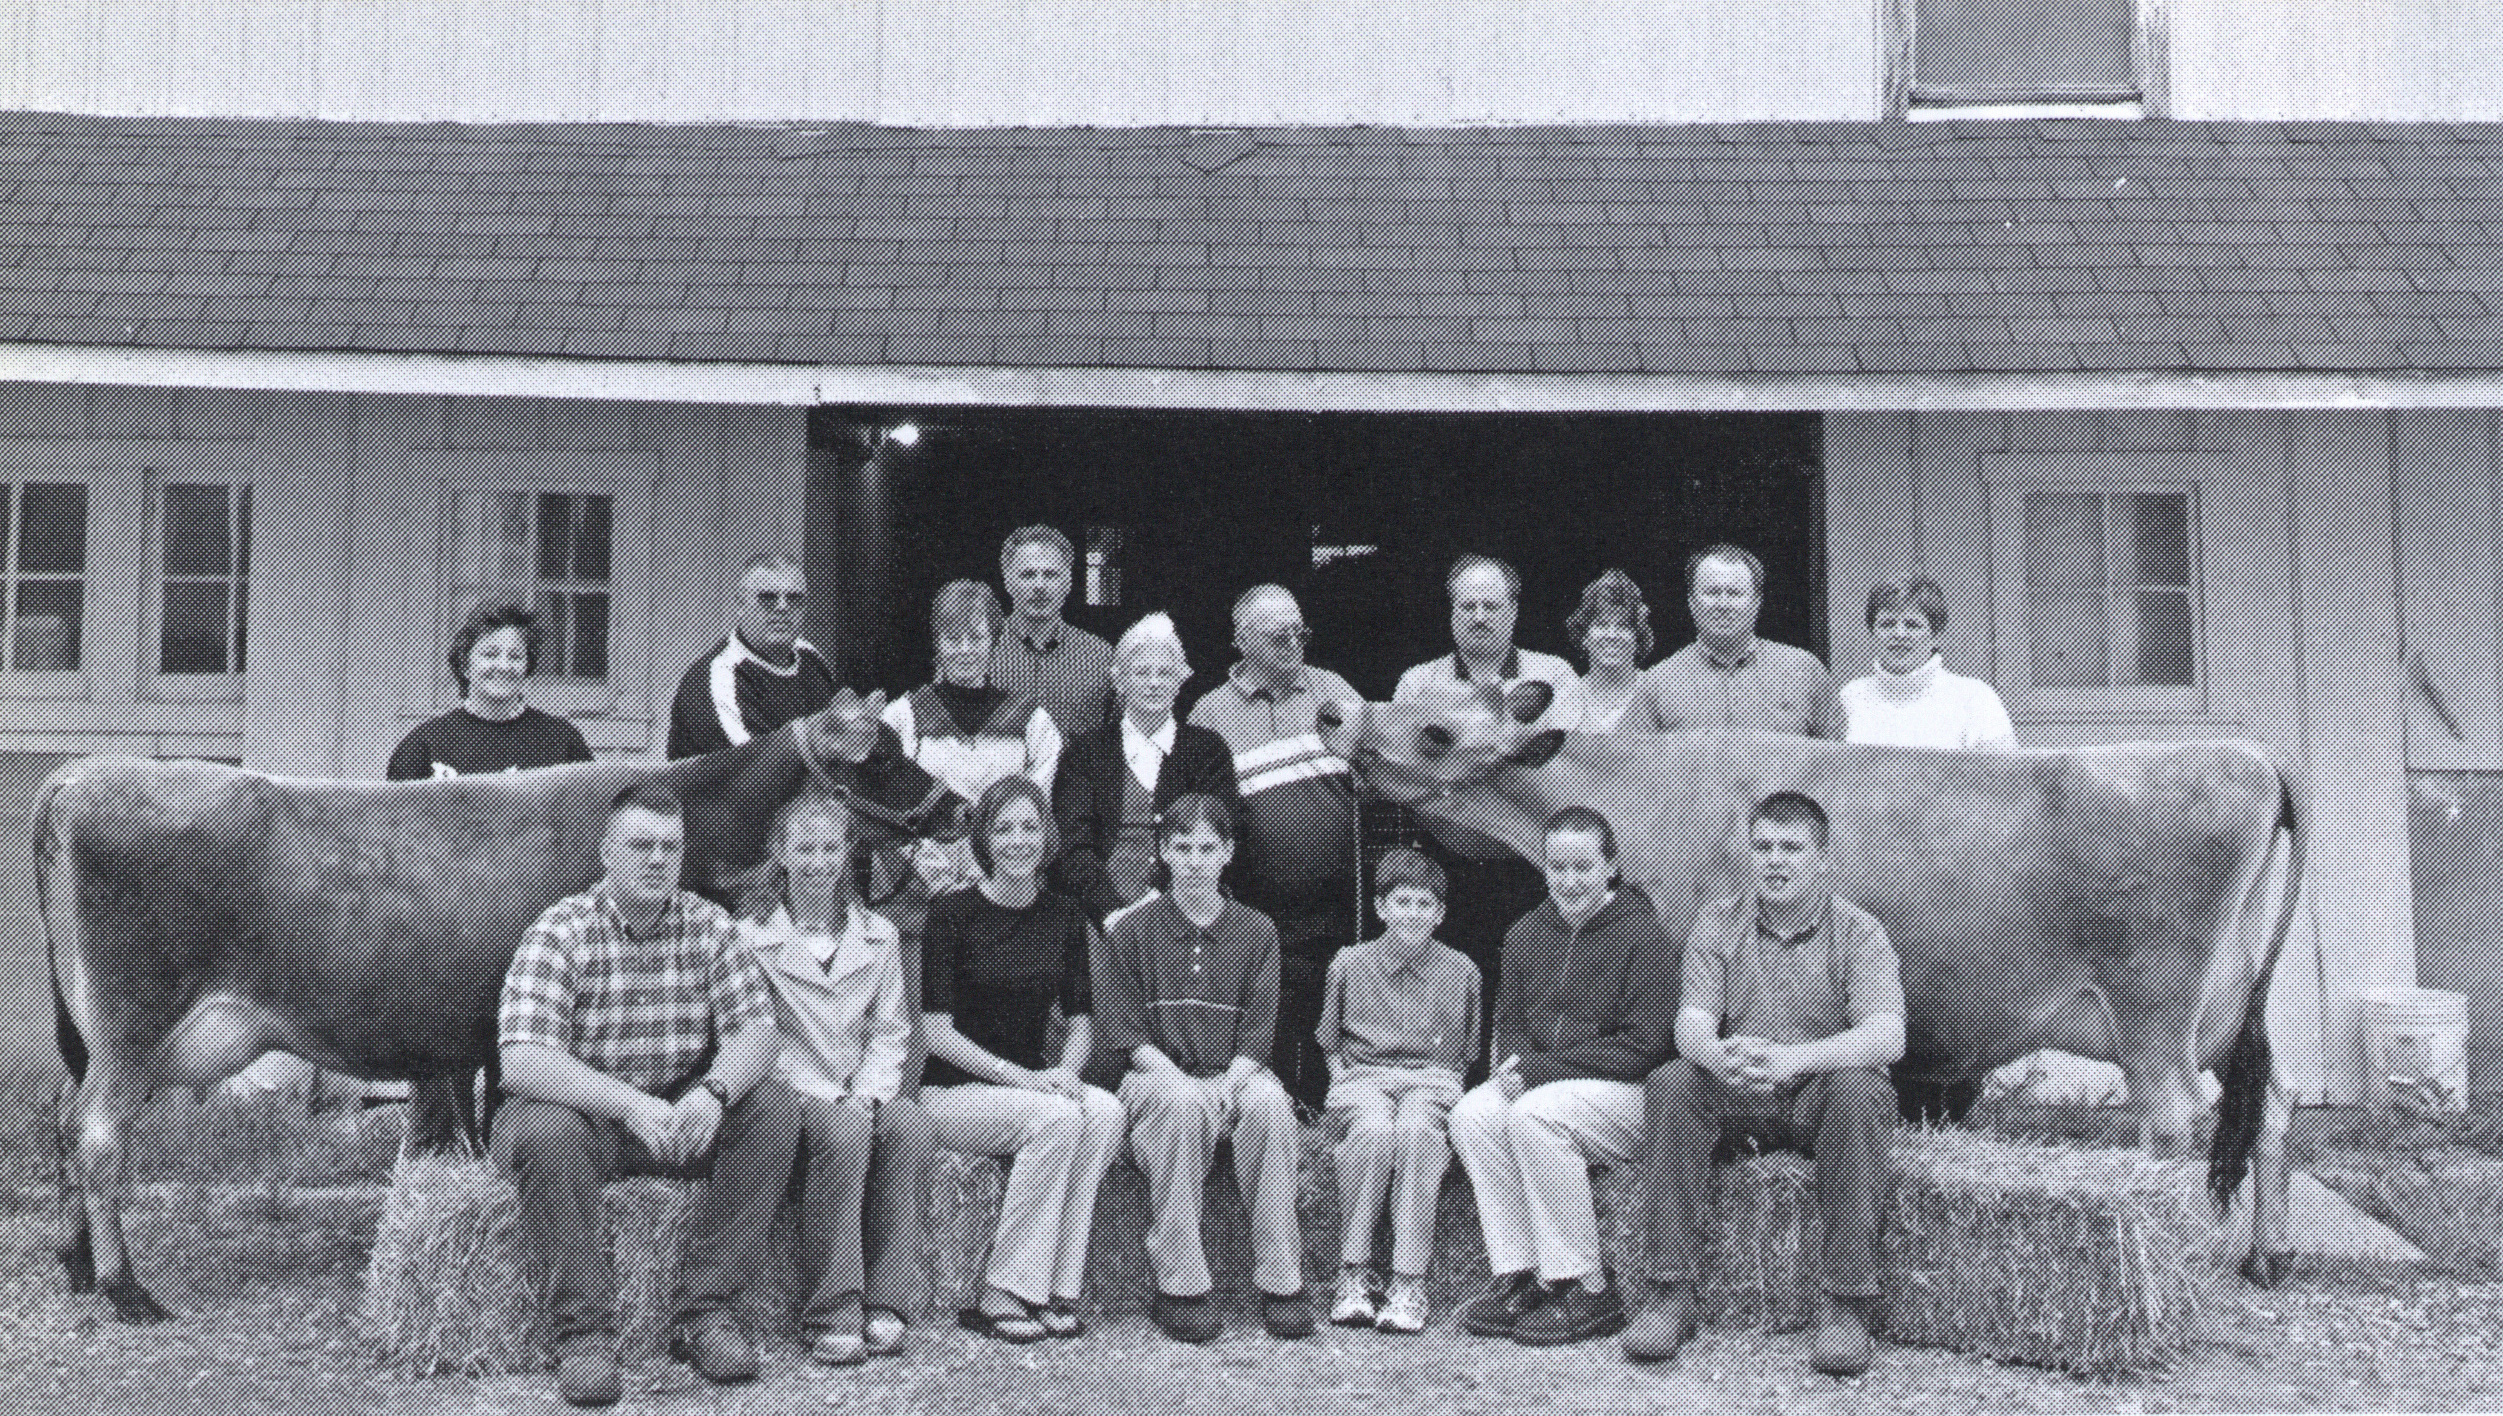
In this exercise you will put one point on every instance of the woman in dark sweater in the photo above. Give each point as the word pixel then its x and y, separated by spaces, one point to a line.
pixel 995 961
pixel 494 729
pixel 1114 781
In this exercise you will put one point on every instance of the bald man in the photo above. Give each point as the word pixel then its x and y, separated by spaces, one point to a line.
pixel 1299 807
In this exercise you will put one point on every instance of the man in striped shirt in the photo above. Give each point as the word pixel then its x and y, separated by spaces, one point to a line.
pixel 763 675
pixel 1299 807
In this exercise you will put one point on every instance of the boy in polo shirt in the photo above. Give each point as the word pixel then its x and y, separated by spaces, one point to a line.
pixel 1399 1025
pixel 1791 1011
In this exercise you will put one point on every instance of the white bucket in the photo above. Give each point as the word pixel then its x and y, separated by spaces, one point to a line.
pixel 2415 1044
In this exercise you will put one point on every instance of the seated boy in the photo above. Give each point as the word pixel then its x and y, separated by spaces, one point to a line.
pixel 1186 997
pixel 1399 1026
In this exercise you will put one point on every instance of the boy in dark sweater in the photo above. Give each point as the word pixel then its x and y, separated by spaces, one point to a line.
pixel 1586 994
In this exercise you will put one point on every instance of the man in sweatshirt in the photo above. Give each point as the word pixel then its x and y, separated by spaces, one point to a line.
pixel 1583 1013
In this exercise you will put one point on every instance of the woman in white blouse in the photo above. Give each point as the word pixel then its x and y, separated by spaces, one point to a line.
pixel 1909 699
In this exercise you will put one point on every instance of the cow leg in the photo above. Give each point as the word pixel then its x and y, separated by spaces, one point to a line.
pixel 2166 1098
pixel 108 1101
pixel 76 1249
pixel 2271 1176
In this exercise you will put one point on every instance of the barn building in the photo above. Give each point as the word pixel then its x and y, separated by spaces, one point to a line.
pixel 2167 334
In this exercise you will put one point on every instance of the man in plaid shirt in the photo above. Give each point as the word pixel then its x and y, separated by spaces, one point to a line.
pixel 637 1040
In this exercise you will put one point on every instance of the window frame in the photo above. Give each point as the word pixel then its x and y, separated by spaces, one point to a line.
pixel 178 687
pixel 50 683
pixel 630 480
pixel 2007 478
pixel 2150 55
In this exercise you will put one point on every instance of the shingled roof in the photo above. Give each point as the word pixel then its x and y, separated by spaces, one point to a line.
pixel 2000 246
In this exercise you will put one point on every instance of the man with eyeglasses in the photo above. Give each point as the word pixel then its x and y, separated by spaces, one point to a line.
pixel 1299 810
pixel 763 675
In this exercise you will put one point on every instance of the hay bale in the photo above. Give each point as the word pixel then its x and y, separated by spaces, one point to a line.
pixel 445 1291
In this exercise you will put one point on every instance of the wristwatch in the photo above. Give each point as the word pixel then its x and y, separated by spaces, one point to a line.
pixel 719 1088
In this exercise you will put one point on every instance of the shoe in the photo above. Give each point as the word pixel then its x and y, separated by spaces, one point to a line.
pixel 1016 1329
pixel 836 1347
pixel 1665 1324
pixel 1191 1319
pixel 1571 1314
pixel 1287 1315
pixel 586 1370
pixel 883 1333
pixel 1844 1347
pixel 1498 1308
pixel 715 1347
pixel 1351 1303
pixel 1404 1310
pixel 1060 1318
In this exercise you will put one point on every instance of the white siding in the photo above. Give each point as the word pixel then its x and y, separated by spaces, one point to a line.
pixel 2351 60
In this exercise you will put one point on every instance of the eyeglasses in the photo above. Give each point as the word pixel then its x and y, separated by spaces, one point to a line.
pixel 777 599
pixel 1289 634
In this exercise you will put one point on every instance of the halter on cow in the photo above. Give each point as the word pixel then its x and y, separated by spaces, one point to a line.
pixel 2104 901
pixel 199 916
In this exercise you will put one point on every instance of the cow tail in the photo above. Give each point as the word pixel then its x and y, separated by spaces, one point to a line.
pixel 72 1042
pixel 2249 1065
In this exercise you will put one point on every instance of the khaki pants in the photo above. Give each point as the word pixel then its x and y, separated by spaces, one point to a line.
pixel 1529 1161
pixel 1394 1128
pixel 861 1210
pixel 1175 1124
pixel 1061 1149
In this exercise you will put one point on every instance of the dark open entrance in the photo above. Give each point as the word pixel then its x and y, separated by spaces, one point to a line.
pixel 1359 514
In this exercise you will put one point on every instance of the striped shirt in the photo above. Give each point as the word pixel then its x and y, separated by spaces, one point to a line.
pixel 1203 997
pixel 733 694
pixel 648 1010
pixel 1299 802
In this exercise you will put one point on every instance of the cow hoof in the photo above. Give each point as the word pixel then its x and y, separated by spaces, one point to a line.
pixel 2263 1270
pixel 79 1261
pixel 132 1304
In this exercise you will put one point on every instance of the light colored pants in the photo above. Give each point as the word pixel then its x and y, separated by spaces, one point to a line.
pixel 1393 1124
pixel 861 1211
pixel 1061 1149
pixel 1529 1161
pixel 1175 1124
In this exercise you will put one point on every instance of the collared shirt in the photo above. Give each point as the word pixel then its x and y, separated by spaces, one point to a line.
pixel 1201 996
pixel 1068 670
pixel 838 998
pixel 1765 687
pixel 1381 1010
pixel 1837 973
pixel 648 1010
pixel 1442 676
pixel 1146 752
pixel 1299 801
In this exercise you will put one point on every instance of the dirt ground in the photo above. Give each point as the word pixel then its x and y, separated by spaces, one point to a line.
pixel 264 1281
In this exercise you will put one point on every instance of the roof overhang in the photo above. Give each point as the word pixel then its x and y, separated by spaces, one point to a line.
pixel 804 385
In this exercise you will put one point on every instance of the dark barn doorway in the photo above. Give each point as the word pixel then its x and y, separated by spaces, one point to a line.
pixel 1359 514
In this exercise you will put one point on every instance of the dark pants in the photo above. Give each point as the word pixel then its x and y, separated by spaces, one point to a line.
pixel 560 1158
pixel 1844 1119
pixel 861 1211
pixel 1296 1055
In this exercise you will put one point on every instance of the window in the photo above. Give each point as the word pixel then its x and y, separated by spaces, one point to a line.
pixel 1103 565
pixel 2107 589
pixel 548 550
pixel 2095 571
pixel 204 533
pixel 1964 53
pixel 46 599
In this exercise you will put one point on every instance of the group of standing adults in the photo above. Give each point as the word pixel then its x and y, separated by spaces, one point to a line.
pixel 1081 774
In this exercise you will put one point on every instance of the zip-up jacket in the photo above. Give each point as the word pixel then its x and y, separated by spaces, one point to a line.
pixel 1599 1001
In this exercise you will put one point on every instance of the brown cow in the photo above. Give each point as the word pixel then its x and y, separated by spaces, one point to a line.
pixel 199 916
pixel 2103 901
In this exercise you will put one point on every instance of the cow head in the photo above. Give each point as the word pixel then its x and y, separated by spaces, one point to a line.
pixel 853 755
pixel 1416 753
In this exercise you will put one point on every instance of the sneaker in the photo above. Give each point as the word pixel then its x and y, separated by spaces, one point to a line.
pixel 1287 1315
pixel 883 1333
pixel 586 1370
pixel 1498 1308
pixel 836 1347
pixel 1665 1324
pixel 1404 1310
pixel 715 1346
pixel 1843 1344
pixel 1192 1319
pixel 1351 1303
pixel 1571 1313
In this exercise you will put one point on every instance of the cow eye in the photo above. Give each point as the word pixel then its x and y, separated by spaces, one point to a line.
pixel 1436 739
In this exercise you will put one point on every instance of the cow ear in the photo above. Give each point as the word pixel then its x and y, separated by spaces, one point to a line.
pixel 1536 748
pixel 844 703
pixel 1529 700
pixel 875 703
pixel 856 737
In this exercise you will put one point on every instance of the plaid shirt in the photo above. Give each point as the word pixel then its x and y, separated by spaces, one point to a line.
pixel 648 1011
